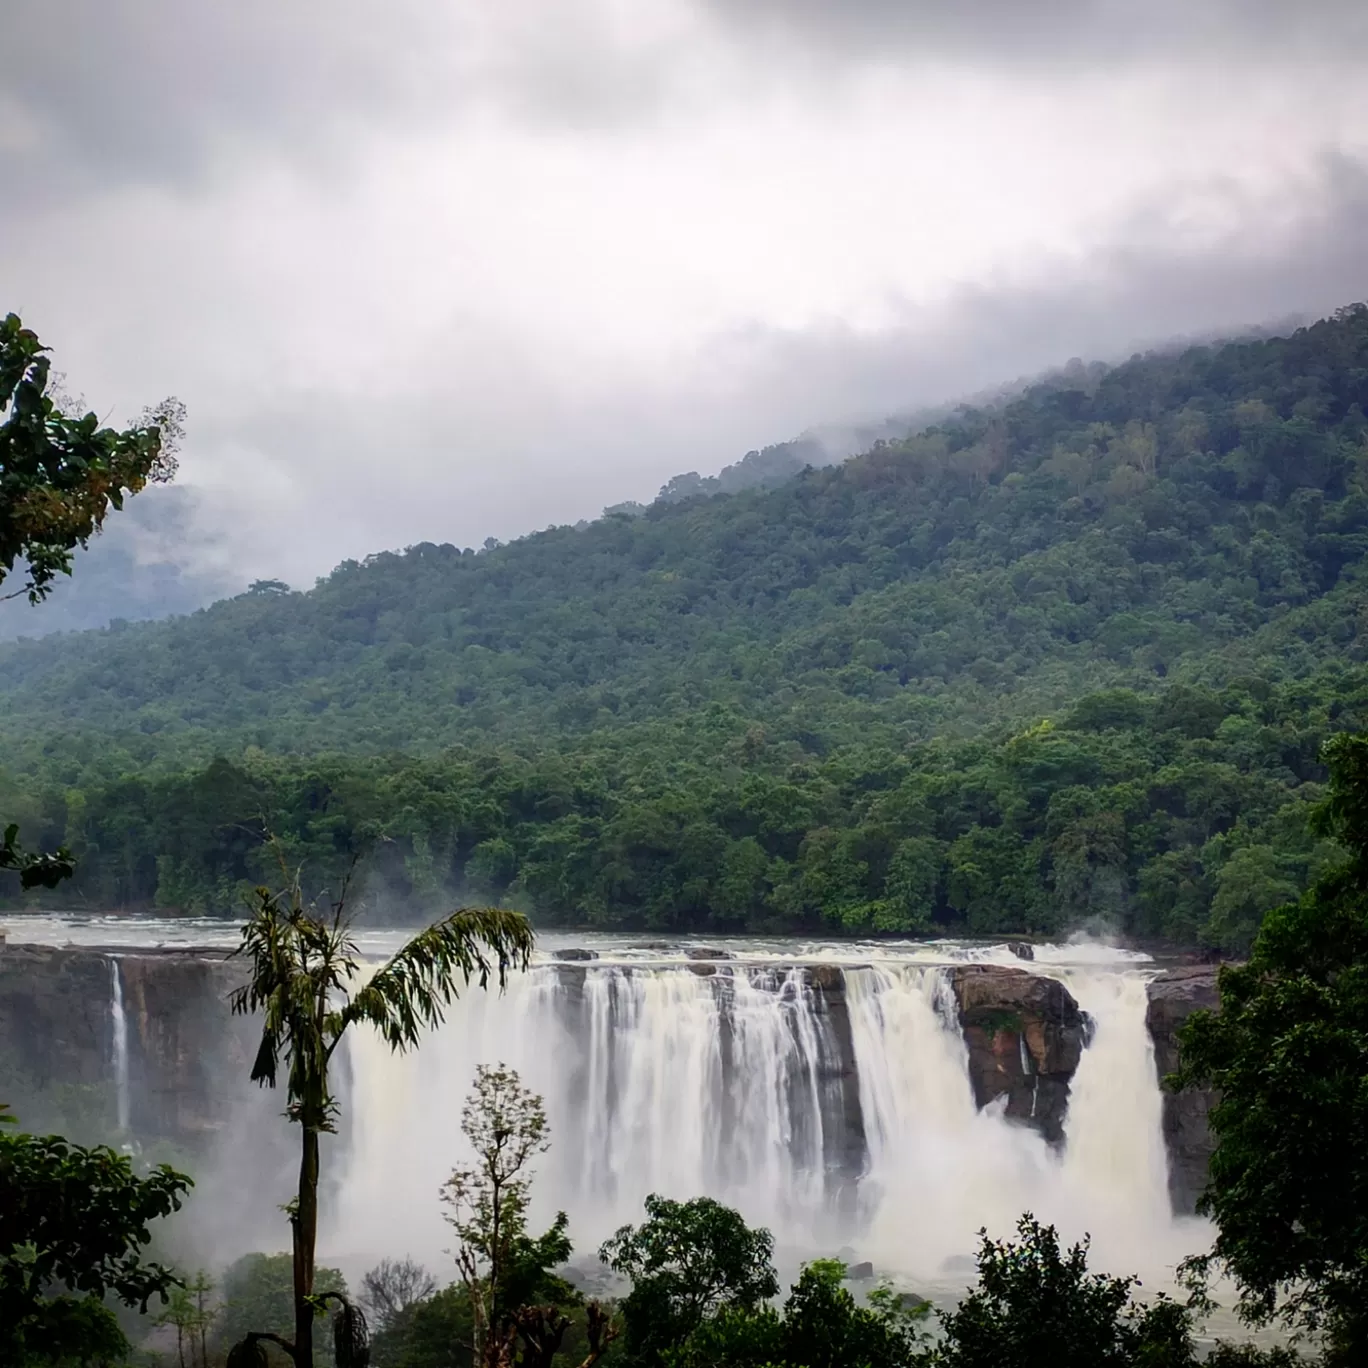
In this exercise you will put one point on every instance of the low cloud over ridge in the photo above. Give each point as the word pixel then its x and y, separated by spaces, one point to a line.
pixel 459 271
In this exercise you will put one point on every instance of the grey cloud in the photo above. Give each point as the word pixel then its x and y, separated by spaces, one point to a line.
pixel 463 479
pixel 1018 31
pixel 1135 292
pixel 160 91
pixel 93 92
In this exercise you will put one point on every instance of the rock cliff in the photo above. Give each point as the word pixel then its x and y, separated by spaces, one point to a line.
pixel 186 1055
pixel 1173 997
pixel 1025 1035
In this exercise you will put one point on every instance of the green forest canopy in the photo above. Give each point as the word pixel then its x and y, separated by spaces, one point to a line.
pixel 817 705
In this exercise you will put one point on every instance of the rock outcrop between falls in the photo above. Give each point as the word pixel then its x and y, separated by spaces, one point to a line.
pixel 1173 997
pixel 187 1055
pixel 1025 1035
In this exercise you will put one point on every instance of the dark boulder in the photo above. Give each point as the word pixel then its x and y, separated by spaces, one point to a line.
pixel 1021 950
pixel 574 953
pixel 708 952
pixel 1025 1035
pixel 1173 997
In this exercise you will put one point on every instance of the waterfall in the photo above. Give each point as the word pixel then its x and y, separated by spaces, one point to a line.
pixel 835 1115
pixel 119 1044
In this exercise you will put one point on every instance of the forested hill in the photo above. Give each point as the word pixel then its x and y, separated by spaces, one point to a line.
pixel 792 708
pixel 1201 515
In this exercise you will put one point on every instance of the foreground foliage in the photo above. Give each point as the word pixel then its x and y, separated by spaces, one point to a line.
pixel 75 1221
pixel 1288 1054
pixel 61 473
pixel 256 1293
pixel 1037 1306
pixel 821 1325
pixel 518 1305
pixel 688 1263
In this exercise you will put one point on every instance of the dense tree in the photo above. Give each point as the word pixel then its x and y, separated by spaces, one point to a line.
pixel 1190 516
pixel 303 965
pixel 688 1261
pixel 1147 829
pixel 435 1332
pixel 1037 1306
pixel 75 1221
pixel 821 1326
pixel 1288 1056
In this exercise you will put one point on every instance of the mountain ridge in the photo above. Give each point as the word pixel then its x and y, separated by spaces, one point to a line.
pixel 1079 528
pixel 1063 661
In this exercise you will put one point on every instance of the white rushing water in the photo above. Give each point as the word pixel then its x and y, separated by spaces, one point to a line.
pixel 737 1080
pixel 119 1044
pixel 658 1078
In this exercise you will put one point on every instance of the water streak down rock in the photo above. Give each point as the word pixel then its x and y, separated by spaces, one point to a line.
pixel 1173 997
pixel 1025 1035
pixel 184 1050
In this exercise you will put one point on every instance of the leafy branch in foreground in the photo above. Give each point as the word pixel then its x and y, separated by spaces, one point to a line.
pixel 61 473
pixel 77 1219
pixel 35 870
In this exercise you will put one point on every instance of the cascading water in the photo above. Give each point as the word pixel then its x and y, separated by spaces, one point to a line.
pixel 119 1045
pixel 831 1117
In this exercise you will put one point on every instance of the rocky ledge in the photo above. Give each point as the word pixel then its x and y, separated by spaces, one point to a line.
pixel 1025 1035
pixel 183 1047
pixel 1173 997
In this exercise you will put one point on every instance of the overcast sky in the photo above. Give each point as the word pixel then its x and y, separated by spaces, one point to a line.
pixel 447 269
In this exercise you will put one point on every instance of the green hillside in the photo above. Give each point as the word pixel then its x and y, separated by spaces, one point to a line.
pixel 1187 529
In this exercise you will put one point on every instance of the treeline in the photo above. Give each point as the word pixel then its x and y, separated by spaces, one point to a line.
pixel 1179 817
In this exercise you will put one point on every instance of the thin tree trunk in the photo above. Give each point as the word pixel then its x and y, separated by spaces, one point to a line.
pixel 305 1236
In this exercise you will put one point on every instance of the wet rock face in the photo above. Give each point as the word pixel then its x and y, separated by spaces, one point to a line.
pixel 843 1129
pixel 1025 1035
pixel 1173 997
pixel 187 1056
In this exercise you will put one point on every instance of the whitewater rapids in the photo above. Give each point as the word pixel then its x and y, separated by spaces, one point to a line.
pixel 660 1076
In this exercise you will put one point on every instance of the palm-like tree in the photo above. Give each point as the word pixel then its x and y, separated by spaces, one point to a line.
pixel 304 963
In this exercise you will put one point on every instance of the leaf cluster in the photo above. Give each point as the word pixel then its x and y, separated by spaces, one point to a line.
pixel 304 964
pixel 60 474
pixel 78 1219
